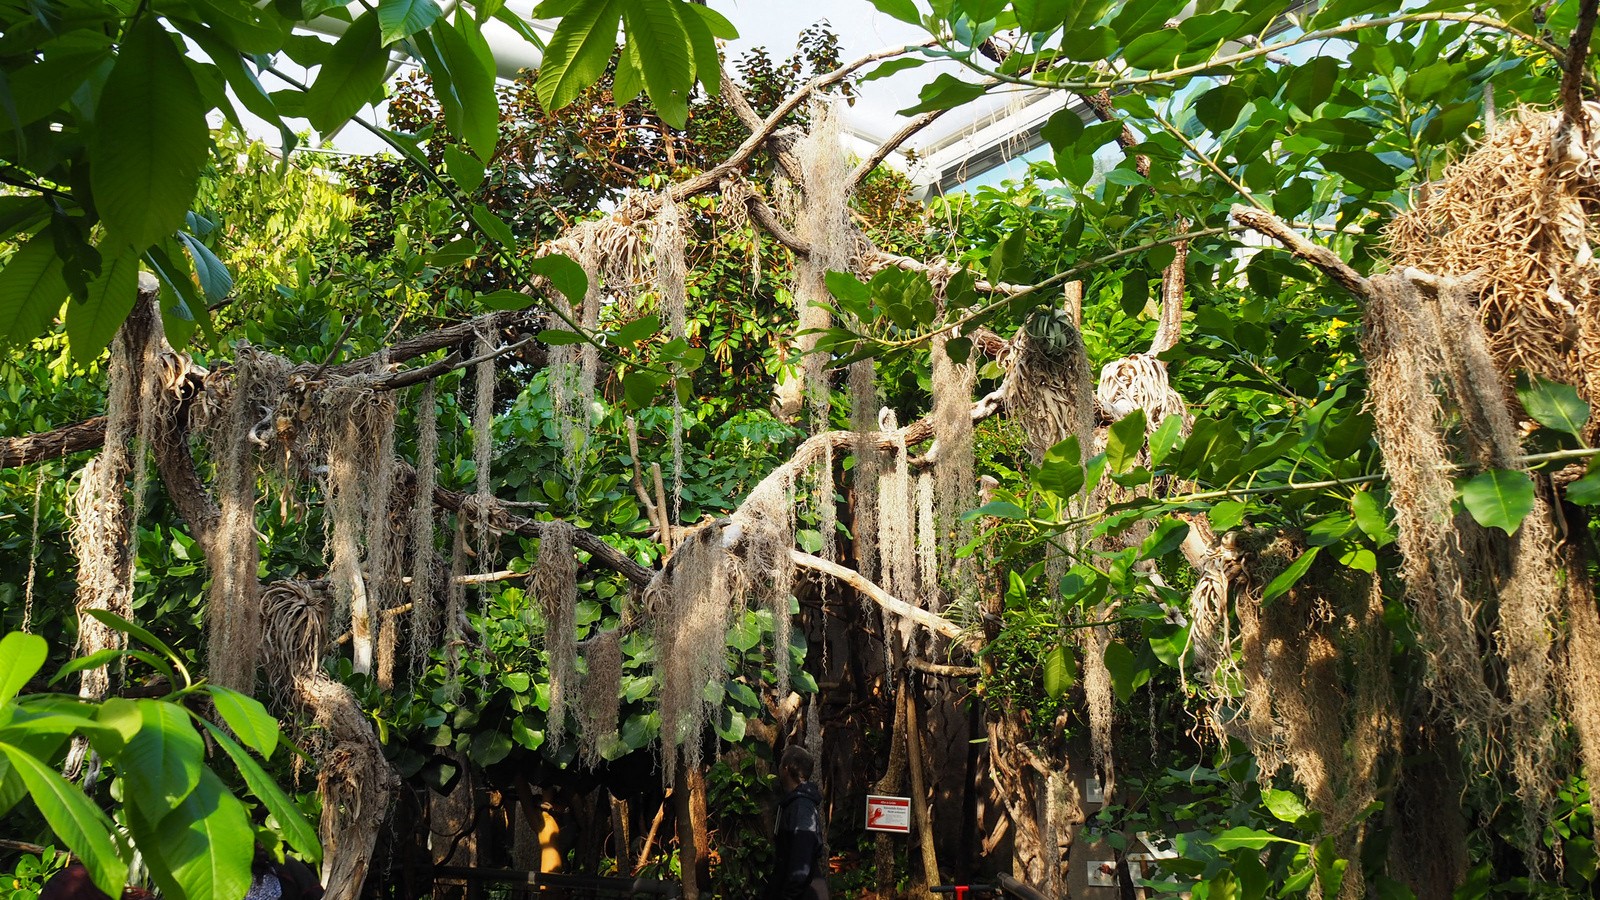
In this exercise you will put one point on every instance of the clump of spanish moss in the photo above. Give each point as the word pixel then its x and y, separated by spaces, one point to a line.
pixel 455 609
pixel 667 240
pixel 1097 691
pixel 360 423
pixel 423 581
pixel 868 465
pixel 554 584
pixel 602 691
pixel 927 541
pixel 483 418
pixel 1434 386
pixel 954 467
pixel 824 221
pixel 765 523
pixel 102 523
pixel 234 616
pixel 897 524
pixel 690 601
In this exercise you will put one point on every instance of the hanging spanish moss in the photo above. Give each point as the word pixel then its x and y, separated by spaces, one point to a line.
pixel 690 602
pixel 602 692
pixel 954 468
pixel 827 509
pixel 234 601
pixel 864 403
pixel 897 525
pixel 667 238
pixel 361 423
pixel 424 612
pixel 927 542
pixel 554 584
pixel 824 221
pixel 765 523
pixel 1097 691
pixel 33 557
pixel 455 610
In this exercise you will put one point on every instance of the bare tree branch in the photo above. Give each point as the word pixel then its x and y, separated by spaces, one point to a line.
pixel 893 143
pixel 931 621
pixel 1576 64
pixel 53 444
pixel 1319 256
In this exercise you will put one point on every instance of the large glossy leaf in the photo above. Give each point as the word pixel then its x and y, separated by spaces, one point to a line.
pixel 565 275
pixel 21 655
pixel 149 139
pixel 163 763
pixel 1124 440
pixel 402 18
pixel 246 86
pixel 475 115
pixel 1126 672
pixel 1555 406
pixel 349 78
pixel 658 37
pixel 204 846
pixel 904 10
pixel 1499 498
pixel 578 52
pixel 249 720
pixel 707 62
pixel 291 822
pixel 1059 671
pixel 31 290
pixel 1288 577
pixel 216 282
pixel 76 821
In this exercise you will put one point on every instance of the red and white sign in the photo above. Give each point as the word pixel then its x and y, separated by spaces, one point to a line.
pixel 892 814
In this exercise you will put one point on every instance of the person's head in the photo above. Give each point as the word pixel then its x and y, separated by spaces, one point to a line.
pixel 794 767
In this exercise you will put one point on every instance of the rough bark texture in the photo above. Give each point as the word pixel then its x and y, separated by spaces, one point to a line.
pixel 355 781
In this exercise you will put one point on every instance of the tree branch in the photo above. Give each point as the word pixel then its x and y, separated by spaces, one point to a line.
pixel 53 444
pixel 1576 64
pixel 1316 254
pixel 893 143
pixel 931 621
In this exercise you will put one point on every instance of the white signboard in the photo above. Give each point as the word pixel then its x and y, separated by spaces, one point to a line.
pixel 892 814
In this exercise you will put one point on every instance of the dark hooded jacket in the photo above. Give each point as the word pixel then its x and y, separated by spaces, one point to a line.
pixel 799 870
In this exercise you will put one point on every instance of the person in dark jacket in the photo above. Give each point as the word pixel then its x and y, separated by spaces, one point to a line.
pixel 799 870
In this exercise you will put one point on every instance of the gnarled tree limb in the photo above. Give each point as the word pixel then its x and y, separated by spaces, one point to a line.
pixel 1319 256
pixel 54 444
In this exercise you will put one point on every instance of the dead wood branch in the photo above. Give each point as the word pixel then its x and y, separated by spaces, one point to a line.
pixel 883 150
pixel 1319 256
pixel 1574 66
pixel 780 146
pixel 931 621
pixel 932 668
pixel 31 448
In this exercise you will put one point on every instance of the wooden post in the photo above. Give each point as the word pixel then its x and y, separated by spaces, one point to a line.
pixel 694 843
pixel 921 815
pixel 890 784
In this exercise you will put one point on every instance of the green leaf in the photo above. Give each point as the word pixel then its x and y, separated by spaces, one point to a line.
pixel 1226 515
pixel 1141 16
pixel 1126 673
pixel 163 762
pixel 474 116
pixel 945 92
pixel 1061 470
pixel 402 18
pixel 291 822
pixel 1284 806
pixel 1062 130
pixel 556 337
pixel 627 83
pixel 1361 168
pixel 1555 406
pixel 1082 14
pixel 464 168
pixel 149 139
pixel 248 718
pixel 565 275
pixel 578 52
pixel 662 44
pixel 31 290
pixel 489 747
pixel 118 623
pixel 717 22
pixel 1370 519
pixel 215 279
pixel 1165 538
pixel 1499 498
pixel 1586 490
pixel 1165 437
pixel 636 331
pixel 904 10
pixel 1135 291
pixel 640 389
pixel 1124 441
pixel 21 655
pixel 505 299
pixel 76 821
pixel 1060 672
pixel 1241 836
pixel 203 847
pixel 93 661
pixel 894 65
pixel 1312 84
pixel 494 226
pixel 1155 50
pixel 1218 109
pixel 92 323
pixel 707 61
pixel 1287 578
pixel 349 78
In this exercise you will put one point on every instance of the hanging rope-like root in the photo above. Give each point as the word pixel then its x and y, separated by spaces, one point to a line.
pixel 554 584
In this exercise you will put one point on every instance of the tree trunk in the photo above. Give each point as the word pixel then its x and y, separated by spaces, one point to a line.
pixel 890 784
pixel 694 844
pixel 919 796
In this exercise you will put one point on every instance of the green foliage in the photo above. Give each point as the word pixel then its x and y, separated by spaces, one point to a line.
pixel 195 837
